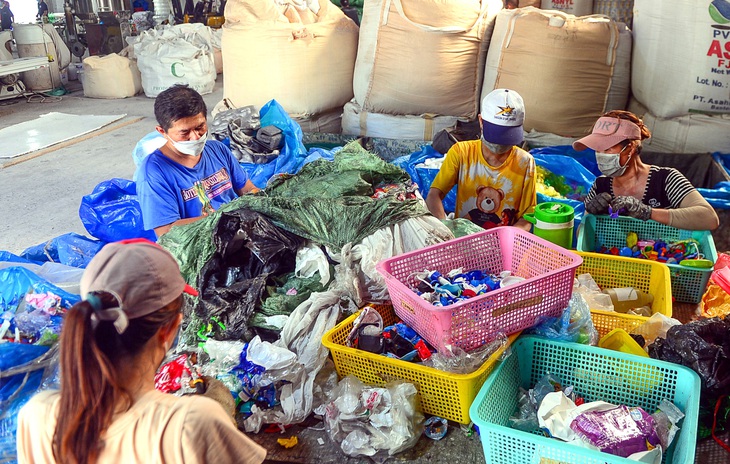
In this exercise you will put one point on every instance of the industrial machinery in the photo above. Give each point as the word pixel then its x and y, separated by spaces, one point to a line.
pixel 99 25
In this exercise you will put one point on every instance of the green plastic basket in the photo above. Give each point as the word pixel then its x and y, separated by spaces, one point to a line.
pixel 597 374
pixel 688 284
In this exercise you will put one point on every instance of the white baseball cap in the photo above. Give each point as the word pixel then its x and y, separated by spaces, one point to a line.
pixel 503 114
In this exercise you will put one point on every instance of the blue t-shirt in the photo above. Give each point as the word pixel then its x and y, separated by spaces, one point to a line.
pixel 168 191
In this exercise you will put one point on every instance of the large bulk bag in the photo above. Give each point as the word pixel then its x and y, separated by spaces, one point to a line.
pixel 423 56
pixel 574 7
pixel 358 122
pixel 569 70
pixel 111 76
pixel 689 133
pixel 303 59
pixel 681 60
pixel 329 122
pixel 618 10
pixel 181 54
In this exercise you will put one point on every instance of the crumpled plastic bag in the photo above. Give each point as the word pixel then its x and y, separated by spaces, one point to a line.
pixel 655 327
pixel 71 249
pixel 301 335
pixel 574 325
pixel 24 371
pixel 111 212
pixel 458 361
pixel 248 250
pixel 373 421
pixel 704 347
pixel 67 278
pixel 311 260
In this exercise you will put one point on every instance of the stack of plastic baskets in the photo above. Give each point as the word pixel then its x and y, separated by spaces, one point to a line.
pixel 596 374
pixel 616 272
pixel 688 284
pixel 442 393
pixel 548 270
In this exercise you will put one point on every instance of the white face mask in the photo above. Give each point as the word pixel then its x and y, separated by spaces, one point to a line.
pixel 609 164
pixel 190 147
pixel 496 148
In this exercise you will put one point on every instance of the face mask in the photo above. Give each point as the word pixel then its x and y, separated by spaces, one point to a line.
pixel 496 148
pixel 609 164
pixel 190 147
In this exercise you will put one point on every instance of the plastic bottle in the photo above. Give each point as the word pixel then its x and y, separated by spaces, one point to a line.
pixel 627 298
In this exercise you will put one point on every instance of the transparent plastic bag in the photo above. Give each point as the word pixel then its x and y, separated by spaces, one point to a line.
pixel 372 421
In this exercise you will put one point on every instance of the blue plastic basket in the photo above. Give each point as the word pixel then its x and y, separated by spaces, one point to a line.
pixel 597 374
pixel 688 284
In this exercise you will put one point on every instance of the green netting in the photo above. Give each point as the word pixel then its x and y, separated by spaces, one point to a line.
pixel 327 202
pixel 284 298
pixel 461 227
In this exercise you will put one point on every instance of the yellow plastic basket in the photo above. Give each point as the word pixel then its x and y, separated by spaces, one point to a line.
pixel 442 393
pixel 611 271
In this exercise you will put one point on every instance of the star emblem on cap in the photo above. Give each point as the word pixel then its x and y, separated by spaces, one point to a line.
pixel 505 110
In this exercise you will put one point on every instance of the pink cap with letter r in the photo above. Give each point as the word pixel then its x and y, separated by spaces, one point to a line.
pixel 607 132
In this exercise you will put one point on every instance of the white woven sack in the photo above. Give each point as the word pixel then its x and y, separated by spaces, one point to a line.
pixel 423 56
pixel 681 59
pixel 303 60
pixel 180 54
pixel 358 122
pixel 690 133
pixel 574 7
pixel 111 76
pixel 567 83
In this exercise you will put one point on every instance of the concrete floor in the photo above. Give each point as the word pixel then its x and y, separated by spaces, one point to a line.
pixel 40 195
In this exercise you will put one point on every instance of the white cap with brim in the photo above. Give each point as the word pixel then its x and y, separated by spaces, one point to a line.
pixel 503 115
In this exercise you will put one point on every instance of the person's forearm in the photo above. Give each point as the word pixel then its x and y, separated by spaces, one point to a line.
pixel 435 204
pixel 694 213
pixel 180 222
pixel 523 224
pixel 694 218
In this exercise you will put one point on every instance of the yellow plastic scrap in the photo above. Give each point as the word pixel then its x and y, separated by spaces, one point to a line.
pixel 288 442
pixel 632 239
pixel 715 302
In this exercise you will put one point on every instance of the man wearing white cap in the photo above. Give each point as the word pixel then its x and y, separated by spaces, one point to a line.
pixel 495 178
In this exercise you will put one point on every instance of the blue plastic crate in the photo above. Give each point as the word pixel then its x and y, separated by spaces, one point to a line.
pixel 688 284
pixel 597 374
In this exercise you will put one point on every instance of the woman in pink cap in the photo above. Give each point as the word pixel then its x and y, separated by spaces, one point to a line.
pixel 635 189
pixel 111 345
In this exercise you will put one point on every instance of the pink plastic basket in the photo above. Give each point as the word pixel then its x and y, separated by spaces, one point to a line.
pixel 548 269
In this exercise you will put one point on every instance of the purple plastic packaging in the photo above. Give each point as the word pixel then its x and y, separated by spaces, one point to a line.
pixel 621 431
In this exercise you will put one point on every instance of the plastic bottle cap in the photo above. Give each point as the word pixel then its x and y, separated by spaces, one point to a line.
pixel 554 212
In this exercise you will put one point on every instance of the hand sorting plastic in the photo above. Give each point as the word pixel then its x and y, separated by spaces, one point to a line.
pixel 457 285
pixel 372 421
pixel 620 430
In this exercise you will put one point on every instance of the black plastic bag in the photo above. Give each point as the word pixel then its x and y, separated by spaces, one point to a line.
pixel 248 250
pixel 704 347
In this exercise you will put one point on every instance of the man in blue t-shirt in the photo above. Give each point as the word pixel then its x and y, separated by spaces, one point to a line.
pixel 190 176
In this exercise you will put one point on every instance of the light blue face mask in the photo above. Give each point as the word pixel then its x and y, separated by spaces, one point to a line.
pixel 190 147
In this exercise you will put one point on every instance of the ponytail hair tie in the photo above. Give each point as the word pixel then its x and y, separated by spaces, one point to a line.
pixel 114 314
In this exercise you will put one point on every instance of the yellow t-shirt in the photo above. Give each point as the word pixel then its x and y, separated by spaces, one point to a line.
pixel 488 195
pixel 159 428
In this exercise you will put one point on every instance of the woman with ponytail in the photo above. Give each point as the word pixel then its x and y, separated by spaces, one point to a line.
pixel 111 345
